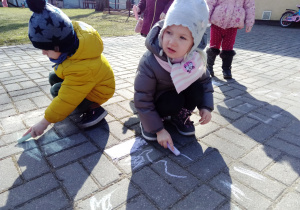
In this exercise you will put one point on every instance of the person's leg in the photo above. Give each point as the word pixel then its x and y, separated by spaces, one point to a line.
pixel 55 88
pixel 55 83
pixel 227 52
pixel 169 103
pixel 215 37
pixel 173 104
pixel 192 98
pixel 213 51
pixel 229 38
pixel 53 78
pixel 93 113
pixel 193 95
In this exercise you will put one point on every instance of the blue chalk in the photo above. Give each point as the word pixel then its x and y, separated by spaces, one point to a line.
pixel 24 138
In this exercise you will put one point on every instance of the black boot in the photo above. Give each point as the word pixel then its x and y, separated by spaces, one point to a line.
pixel 211 57
pixel 227 57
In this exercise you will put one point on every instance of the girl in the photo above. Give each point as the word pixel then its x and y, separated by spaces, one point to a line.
pixel 226 16
pixel 171 77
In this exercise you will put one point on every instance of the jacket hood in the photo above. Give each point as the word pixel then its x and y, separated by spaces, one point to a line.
pixel 192 14
pixel 90 42
pixel 152 41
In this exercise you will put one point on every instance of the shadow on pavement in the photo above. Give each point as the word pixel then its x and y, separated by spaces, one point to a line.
pixel 56 170
pixel 164 180
pixel 275 129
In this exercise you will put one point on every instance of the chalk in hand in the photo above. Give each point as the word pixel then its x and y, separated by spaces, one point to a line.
pixel 176 151
pixel 24 138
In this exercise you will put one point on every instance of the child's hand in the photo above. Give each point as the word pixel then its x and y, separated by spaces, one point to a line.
pixel 38 129
pixel 162 16
pixel 248 29
pixel 138 9
pixel 205 116
pixel 163 138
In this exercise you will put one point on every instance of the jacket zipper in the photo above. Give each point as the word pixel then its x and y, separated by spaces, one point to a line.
pixel 153 15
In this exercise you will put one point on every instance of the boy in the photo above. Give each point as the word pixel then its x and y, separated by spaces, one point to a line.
pixel 82 77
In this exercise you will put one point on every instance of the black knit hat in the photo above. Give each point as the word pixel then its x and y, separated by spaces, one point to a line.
pixel 49 28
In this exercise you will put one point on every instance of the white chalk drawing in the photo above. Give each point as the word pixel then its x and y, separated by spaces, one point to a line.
pixel 104 203
pixel 139 160
pixel 239 194
pixel 249 173
pixel 186 157
pixel 131 146
pixel 168 173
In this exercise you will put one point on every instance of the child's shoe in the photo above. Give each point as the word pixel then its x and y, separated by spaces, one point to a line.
pixel 183 123
pixel 92 117
pixel 146 135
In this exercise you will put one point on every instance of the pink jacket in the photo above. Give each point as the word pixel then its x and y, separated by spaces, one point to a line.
pixel 231 13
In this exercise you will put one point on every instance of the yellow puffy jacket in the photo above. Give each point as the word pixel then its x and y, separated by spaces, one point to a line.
pixel 86 74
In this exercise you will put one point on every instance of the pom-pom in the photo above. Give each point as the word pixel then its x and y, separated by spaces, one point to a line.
pixel 36 6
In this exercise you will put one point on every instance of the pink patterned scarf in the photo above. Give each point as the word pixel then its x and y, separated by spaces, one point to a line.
pixel 183 74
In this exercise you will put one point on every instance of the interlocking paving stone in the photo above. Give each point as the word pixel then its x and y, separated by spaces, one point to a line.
pixel 52 201
pixel 224 146
pixel 110 197
pixel 247 157
pixel 243 195
pixel 238 139
pixel 285 170
pixel 284 147
pixel 72 154
pixel 174 174
pixel 202 198
pixel 260 157
pixel 290 201
pixel 104 175
pixel 262 132
pixel 9 174
pixel 209 166
pixel 139 159
pixel 27 191
pixel 160 191
pixel 270 188
pixel 139 202
pixel 29 161
pixel 63 144
pixel 77 186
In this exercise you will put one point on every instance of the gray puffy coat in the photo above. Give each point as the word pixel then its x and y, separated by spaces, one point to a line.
pixel 152 80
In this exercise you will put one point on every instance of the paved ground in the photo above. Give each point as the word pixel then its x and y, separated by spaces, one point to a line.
pixel 248 157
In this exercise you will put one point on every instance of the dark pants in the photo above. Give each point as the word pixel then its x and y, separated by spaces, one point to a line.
pixel 56 82
pixel 170 103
